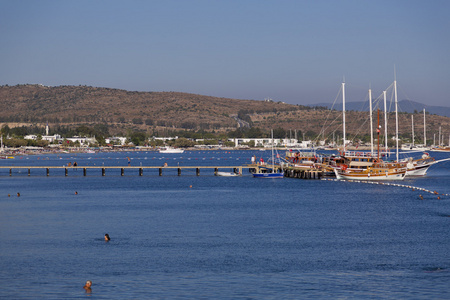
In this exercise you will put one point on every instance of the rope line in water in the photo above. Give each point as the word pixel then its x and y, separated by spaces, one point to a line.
pixel 413 188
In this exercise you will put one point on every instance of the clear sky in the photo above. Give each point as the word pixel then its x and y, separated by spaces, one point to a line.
pixel 293 51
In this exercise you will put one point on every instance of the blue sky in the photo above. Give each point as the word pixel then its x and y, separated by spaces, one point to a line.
pixel 292 51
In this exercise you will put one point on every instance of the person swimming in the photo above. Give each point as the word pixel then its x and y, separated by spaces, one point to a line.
pixel 87 286
pixel 107 238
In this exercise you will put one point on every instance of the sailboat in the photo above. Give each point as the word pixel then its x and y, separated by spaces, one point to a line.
pixel 416 147
pixel 269 172
pixel 378 170
pixel 414 167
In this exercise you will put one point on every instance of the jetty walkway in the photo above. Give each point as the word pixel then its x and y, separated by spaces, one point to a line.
pixel 290 172
pixel 104 169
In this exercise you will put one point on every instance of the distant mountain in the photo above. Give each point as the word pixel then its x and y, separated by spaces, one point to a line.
pixel 403 106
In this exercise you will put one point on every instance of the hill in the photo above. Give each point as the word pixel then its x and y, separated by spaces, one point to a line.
pixel 84 104
pixel 407 106
pixel 123 111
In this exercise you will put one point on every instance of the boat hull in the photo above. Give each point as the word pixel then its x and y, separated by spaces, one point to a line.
pixel 171 150
pixel 365 176
pixel 418 170
pixel 268 175
pixel 226 174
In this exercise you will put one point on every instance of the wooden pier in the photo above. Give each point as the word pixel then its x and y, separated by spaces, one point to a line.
pixel 289 172
pixel 293 172
pixel 138 169
pixel 303 173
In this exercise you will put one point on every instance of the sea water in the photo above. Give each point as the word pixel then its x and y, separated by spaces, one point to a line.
pixel 207 237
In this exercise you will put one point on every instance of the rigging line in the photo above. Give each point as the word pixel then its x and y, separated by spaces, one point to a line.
pixel 408 99
pixel 338 116
pixel 331 109
pixel 324 129
pixel 359 130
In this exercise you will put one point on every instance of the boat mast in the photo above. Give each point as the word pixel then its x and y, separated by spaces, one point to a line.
pixel 412 124
pixel 439 136
pixel 385 122
pixel 371 122
pixel 396 118
pixel 424 130
pixel 343 111
pixel 378 135
pixel 273 163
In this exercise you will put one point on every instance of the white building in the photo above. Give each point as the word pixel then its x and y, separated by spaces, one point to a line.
pixel 116 140
pixel 164 138
pixel 49 138
pixel 52 138
pixel 84 141
pixel 267 142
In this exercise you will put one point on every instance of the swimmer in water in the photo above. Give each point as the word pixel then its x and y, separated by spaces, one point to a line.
pixel 107 238
pixel 87 286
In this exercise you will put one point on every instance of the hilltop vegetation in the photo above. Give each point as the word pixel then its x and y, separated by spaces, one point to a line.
pixel 115 112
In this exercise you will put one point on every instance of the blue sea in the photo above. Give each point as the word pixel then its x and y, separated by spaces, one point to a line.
pixel 210 237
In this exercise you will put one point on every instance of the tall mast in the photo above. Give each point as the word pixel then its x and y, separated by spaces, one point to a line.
pixel 343 111
pixel 273 163
pixel 412 124
pixel 424 129
pixel 439 136
pixel 378 136
pixel 371 122
pixel 385 122
pixel 396 119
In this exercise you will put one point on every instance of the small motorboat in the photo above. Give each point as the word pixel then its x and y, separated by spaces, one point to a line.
pixel 227 174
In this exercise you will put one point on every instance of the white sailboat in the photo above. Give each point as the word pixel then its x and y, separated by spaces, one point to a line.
pixel 416 147
pixel 270 172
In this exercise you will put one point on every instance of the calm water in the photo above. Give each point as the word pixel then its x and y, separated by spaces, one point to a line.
pixel 206 237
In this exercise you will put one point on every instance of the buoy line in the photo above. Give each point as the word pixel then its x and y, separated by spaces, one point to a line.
pixel 413 188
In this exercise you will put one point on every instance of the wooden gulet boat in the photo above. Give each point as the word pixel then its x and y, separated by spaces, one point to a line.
pixel 379 170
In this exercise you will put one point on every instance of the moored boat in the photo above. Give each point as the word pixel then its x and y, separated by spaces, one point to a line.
pixel 371 173
pixel 268 171
pixel 168 149
pixel 268 175
pixel 441 149
pixel 227 174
